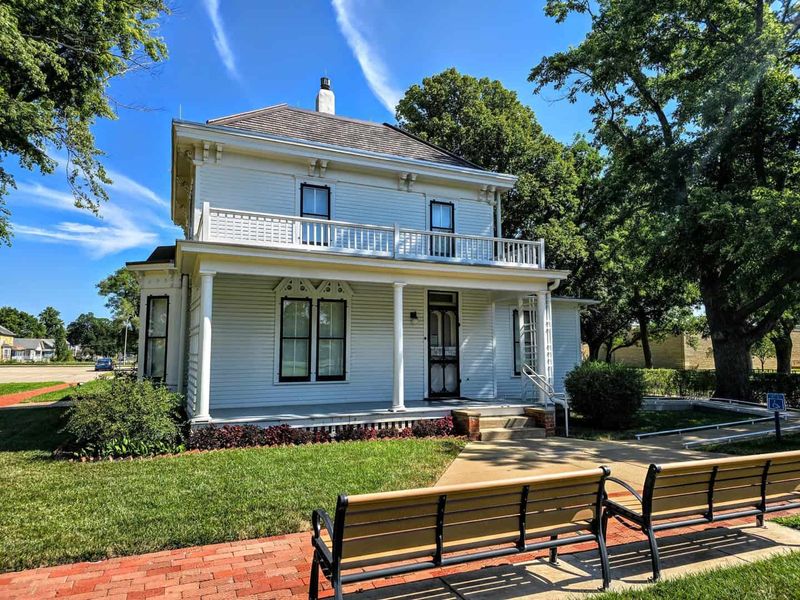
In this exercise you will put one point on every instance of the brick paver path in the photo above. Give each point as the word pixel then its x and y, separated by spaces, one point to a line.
pixel 276 567
pixel 17 397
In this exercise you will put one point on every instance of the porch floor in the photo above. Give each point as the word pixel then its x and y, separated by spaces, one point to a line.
pixel 304 415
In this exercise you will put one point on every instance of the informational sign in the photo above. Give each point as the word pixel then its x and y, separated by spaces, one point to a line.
pixel 776 401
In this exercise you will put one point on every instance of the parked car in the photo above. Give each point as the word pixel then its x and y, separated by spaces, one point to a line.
pixel 104 364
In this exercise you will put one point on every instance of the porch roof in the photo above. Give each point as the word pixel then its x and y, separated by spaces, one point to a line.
pixel 192 256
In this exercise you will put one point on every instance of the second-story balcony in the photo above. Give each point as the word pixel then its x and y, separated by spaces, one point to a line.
pixel 290 232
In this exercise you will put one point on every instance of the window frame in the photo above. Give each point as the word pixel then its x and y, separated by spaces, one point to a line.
pixel 292 379
pixel 148 337
pixel 303 213
pixel 343 376
pixel 515 339
pixel 449 251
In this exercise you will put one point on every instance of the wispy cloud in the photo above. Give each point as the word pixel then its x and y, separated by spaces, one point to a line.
pixel 373 67
pixel 221 38
pixel 134 217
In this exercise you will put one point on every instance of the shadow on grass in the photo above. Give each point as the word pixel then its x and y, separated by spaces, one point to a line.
pixel 31 429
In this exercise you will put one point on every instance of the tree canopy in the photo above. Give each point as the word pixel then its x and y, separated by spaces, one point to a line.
pixel 56 61
pixel 122 291
pixel 697 103
pixel 96 336
pixel 21 323
pixel 50 320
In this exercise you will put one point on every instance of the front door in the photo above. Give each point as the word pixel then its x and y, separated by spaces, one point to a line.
pixel 443 372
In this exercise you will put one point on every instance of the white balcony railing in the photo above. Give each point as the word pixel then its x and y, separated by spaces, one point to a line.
pixel 284 231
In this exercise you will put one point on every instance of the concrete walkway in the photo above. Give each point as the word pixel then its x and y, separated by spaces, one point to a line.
pixel 68 374
pixel 483 461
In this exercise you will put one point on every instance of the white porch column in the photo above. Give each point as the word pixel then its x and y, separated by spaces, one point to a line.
pixel 206 299
pixel 520 325
pixel 184 317
pixel 541 341
pixel 398 392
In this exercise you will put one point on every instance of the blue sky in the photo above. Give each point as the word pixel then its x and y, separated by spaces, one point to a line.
pixel 227 56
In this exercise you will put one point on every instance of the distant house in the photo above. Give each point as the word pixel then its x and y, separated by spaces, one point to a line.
pixel 6 343
pixel 33 349
pixel 687 351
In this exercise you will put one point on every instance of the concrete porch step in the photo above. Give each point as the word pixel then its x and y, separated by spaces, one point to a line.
pixel 517 433
pixel 507 422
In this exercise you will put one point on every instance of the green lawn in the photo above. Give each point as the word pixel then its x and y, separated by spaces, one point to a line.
pixel 776 578
pixel 56 511
pixel 66 393
pixel 13 388
pixel 652 420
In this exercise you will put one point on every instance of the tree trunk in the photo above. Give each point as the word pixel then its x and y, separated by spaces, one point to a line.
pixel 644 339
pixel 609 350
pixel 594 349
pixel 783 351
pixel 733 365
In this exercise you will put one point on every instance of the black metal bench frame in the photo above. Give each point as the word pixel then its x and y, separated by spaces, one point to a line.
pixel 328 561
pixel 645 519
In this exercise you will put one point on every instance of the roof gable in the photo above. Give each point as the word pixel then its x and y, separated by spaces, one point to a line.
pixel 322 128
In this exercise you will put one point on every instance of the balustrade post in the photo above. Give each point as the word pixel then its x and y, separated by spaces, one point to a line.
pixel 541 253
pixel 396 248
pixel 205 222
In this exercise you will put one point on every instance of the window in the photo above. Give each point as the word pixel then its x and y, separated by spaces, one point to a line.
pixel 295 358
pixel 442 221
pixel 155 345
pixel 315 202
pixel 528 317
pixel 331 327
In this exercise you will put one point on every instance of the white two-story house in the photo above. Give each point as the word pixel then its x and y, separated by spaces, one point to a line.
pixel 338 270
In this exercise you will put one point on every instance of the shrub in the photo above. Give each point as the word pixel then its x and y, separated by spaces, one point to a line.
pixel 763 383
pixel 125 418
pixel 353 433
pixel 393 432
pixel 248 436
pixel 433 428
pixel 607 394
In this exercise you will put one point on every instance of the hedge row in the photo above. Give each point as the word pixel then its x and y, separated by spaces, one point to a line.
pixel 692 382
pixel 248 436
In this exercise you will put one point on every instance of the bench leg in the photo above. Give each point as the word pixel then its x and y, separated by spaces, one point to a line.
pixel 604 523
pixel 601 546
pixel 554 551
pixel 651 537
pixel 760 520
pixel 337 587
pixel 313 585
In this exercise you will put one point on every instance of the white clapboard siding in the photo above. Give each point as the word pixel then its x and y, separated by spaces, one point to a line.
pixel 566 346
pixel 355 203
pixel 566 340
pixel 193 348
pixel 476 344
pixel 243 347
pixel 245 189
pixel 474 218
pixel 243 361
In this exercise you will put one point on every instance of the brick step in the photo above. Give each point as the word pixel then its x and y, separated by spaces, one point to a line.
pixel 502 433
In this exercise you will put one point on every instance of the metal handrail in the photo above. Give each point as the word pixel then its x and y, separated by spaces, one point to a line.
pixel 738 436
pixel 683 430
pixel 555 397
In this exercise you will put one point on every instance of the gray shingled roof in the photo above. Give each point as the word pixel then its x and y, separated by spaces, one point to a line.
pixel 33 343
pixel 308 125
pixel 4 331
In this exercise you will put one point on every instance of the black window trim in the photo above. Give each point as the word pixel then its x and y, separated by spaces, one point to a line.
pixel 148 337
pixel 281 377
pixel 303 213
pixel 451 247
pixel 343 376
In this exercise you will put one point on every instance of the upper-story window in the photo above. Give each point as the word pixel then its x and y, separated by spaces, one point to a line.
pixel 315 203
pixel 442 221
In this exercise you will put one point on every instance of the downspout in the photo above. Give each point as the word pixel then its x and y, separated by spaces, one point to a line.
pixel 182 330
pixel 551 286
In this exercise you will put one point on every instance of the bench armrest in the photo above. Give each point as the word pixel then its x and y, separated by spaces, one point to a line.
pixel 320 519
pixel 627 486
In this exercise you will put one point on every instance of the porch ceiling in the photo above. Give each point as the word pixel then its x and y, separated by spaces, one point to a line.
pixel 246 260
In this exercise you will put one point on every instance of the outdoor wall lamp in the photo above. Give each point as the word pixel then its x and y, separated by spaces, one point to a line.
pixel 413 316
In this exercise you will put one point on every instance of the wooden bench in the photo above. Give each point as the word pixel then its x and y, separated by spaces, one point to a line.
pixel 378 535
pixel 696 492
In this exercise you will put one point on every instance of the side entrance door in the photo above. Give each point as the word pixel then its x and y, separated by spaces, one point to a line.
pixel 443 371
